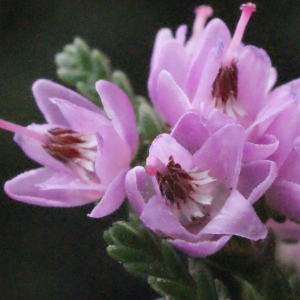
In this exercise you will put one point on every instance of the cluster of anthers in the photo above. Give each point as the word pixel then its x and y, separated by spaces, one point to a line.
pixel 187 191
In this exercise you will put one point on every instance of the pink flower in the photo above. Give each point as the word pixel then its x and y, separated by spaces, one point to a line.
pixel 276 135
pixel 210 68
pixel 85 156
pixel 189 191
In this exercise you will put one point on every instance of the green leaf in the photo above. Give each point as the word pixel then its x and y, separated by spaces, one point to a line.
pixel 146 269
pixel 125 254
pixel 120 79
pixel 172 289
pixel 81 67
pixel 175 263
pixel 294 281
pixel 206 288
pixel 276 285
pixel 146 255
pixel 124 233
pixel 249 292
pixel 149 124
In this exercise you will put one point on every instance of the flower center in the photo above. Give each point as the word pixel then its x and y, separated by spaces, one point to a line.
pixel 177 185
pixel 225 86
pixel 69 146
pixel 188 191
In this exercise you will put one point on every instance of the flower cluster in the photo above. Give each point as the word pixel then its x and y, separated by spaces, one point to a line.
pixel 234 141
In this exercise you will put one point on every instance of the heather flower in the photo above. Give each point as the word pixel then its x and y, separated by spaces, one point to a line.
pixel 275 135
pixel 284 194
pixel 211 67
pixel 189 192
pixel 78 147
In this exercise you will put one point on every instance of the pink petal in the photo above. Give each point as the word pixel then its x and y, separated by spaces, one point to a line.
pixel 237 217
pixel 272 78
pixel 265 146
pixel 44 89
pixel 278 100
pixel 285 134
pixel 163 35
pixel 113 155
pixel 210 71
pixel 78 118
pixel 222 154
pixel 172 101
pixel 164 146
pixel 213 119
pixel 189 132
pixel 112 199
pixel 172 58
pixel 253 76
pixel 119 109
pixel 32 187
pixel 284 196
pixel 290 170
pixel 180 34
pixel 158 216
pixel 202 248
pixel 139 188
pixel 215 32
pixel 255 178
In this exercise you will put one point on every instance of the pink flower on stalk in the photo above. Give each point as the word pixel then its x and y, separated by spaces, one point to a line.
pixel 276 135
pixel 284 194
pixel 189 192
pixel 211 68
pixel 85 156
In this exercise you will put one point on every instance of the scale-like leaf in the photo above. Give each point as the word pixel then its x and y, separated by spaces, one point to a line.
pixel 276 285
pixel 172 289
pixel 81 67
pixel 149 256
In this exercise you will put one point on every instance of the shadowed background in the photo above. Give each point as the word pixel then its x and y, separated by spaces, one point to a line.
pixel 54 253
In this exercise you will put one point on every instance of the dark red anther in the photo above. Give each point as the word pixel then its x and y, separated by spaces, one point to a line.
pixel 62 144
pixel 62 153
pixel 176 186
pixel 225 86
pixel 59 131
pixel 64 136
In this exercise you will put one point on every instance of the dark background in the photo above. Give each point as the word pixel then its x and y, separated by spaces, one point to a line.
pixel 54 253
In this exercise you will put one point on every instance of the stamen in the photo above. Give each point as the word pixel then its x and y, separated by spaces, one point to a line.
pixel 69 146
pixel 202 12
pixel 225 86
pixel 247 10
pixel 186 190
pixel 24 131
pixel 177 185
